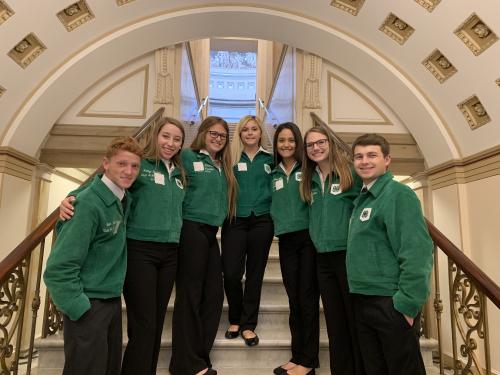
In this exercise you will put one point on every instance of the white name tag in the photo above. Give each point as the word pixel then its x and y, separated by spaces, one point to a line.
pixel 278 184
pixel 198 166
pixel 242 167
pixel 335 189
pixel 159 178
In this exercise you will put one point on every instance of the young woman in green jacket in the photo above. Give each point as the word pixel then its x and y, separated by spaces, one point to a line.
pixel 297 254
pixel 329 187
pixel 246 239
pixel 153 232
pixel 210 197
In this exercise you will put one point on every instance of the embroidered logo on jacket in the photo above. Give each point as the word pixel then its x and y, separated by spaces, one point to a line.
pixel 179 183
pixel 267 168
pixel 365 214
pixel 335 189
pixel 298 176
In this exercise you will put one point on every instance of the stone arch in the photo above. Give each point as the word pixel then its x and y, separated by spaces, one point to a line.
pixel 35 117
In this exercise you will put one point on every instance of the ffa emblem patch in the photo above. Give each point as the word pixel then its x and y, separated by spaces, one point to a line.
pixel 179 183
pixel 298 176
pixel 335 190
pixel 365 214
pixel 267 168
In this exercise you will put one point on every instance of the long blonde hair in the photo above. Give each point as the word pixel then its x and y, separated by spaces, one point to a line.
pixel 151 150
pixel 223 155
pixel 340 164
pixel 236 144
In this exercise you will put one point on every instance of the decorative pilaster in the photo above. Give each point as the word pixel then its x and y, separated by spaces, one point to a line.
pixel 165 72
pixel 312 78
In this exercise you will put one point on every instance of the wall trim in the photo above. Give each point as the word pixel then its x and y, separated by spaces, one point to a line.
pixel 17 164
pixel 472 168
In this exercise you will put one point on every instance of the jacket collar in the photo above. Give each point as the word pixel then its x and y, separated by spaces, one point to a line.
pixel 380 183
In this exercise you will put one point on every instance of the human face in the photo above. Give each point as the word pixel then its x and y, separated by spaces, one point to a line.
pixel 169 141
pixel 215 139
pixel 317 147
pixel 250 134
pixel 122 168
pixel 286 144
pixel 370 163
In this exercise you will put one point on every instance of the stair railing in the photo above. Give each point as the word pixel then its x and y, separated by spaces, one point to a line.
pixel 17 323
pixel 469 290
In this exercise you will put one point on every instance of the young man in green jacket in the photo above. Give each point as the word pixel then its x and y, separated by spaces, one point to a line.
pixel 389 260
pixel 86 268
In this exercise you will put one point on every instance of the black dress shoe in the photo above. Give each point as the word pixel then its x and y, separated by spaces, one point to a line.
pixel 210 371
pixel 252 341
pixel 279 370
pixel 312 372
pixel 231 334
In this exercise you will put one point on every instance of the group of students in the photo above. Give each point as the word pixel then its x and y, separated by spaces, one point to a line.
pixel 347 232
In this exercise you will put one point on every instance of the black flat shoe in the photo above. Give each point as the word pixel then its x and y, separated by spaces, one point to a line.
pixel 312 372
pixel 252 341
pixel 279 370
pixel 210 371
pixel 231 334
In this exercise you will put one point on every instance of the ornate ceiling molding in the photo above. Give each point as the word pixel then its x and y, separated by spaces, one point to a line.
pixel 440 67
pixel 396 28
pixel 16 163
pixel 475 34
pixel 312 77
pixel 429 5
pixel 123 2
pixel 27 50
pixel 474 112
pixel 350 6
pixel 5 12
pixel 472 168
pixel 75 15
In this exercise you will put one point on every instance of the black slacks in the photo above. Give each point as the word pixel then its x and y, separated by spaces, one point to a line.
pixel 389 345
pixel 199 298
pixel 151 269
pixel 93 343
pixel 245 246
pixel 345 356
pixel 298 267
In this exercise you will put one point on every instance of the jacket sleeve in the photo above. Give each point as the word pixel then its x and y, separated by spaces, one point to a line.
pixel 413 250
pixel 62 273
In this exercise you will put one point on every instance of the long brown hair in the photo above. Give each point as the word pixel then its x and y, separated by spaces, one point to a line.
pixel 151 150
pixel 223 155
pixel 340 164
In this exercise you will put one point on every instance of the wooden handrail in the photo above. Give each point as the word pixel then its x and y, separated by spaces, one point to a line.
pixel 45 227
pixel 481 280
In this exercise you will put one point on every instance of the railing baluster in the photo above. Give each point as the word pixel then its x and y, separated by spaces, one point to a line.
pixel 438 308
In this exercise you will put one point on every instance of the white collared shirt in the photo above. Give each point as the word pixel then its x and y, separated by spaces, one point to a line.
pixel 115 189
pixel 216 161
pixel 322 178
pixel 282 166
pixel 368 187
pixel 169 165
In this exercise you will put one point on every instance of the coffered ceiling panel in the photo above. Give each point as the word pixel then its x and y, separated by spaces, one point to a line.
pixel 445 53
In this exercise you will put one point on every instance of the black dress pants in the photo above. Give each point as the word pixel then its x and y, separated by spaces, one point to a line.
pixel 390 346
pixel 345 356
pixel 93 343
pixel 298 267
pixel 199 298
pixel 245 246
pixel 151 269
